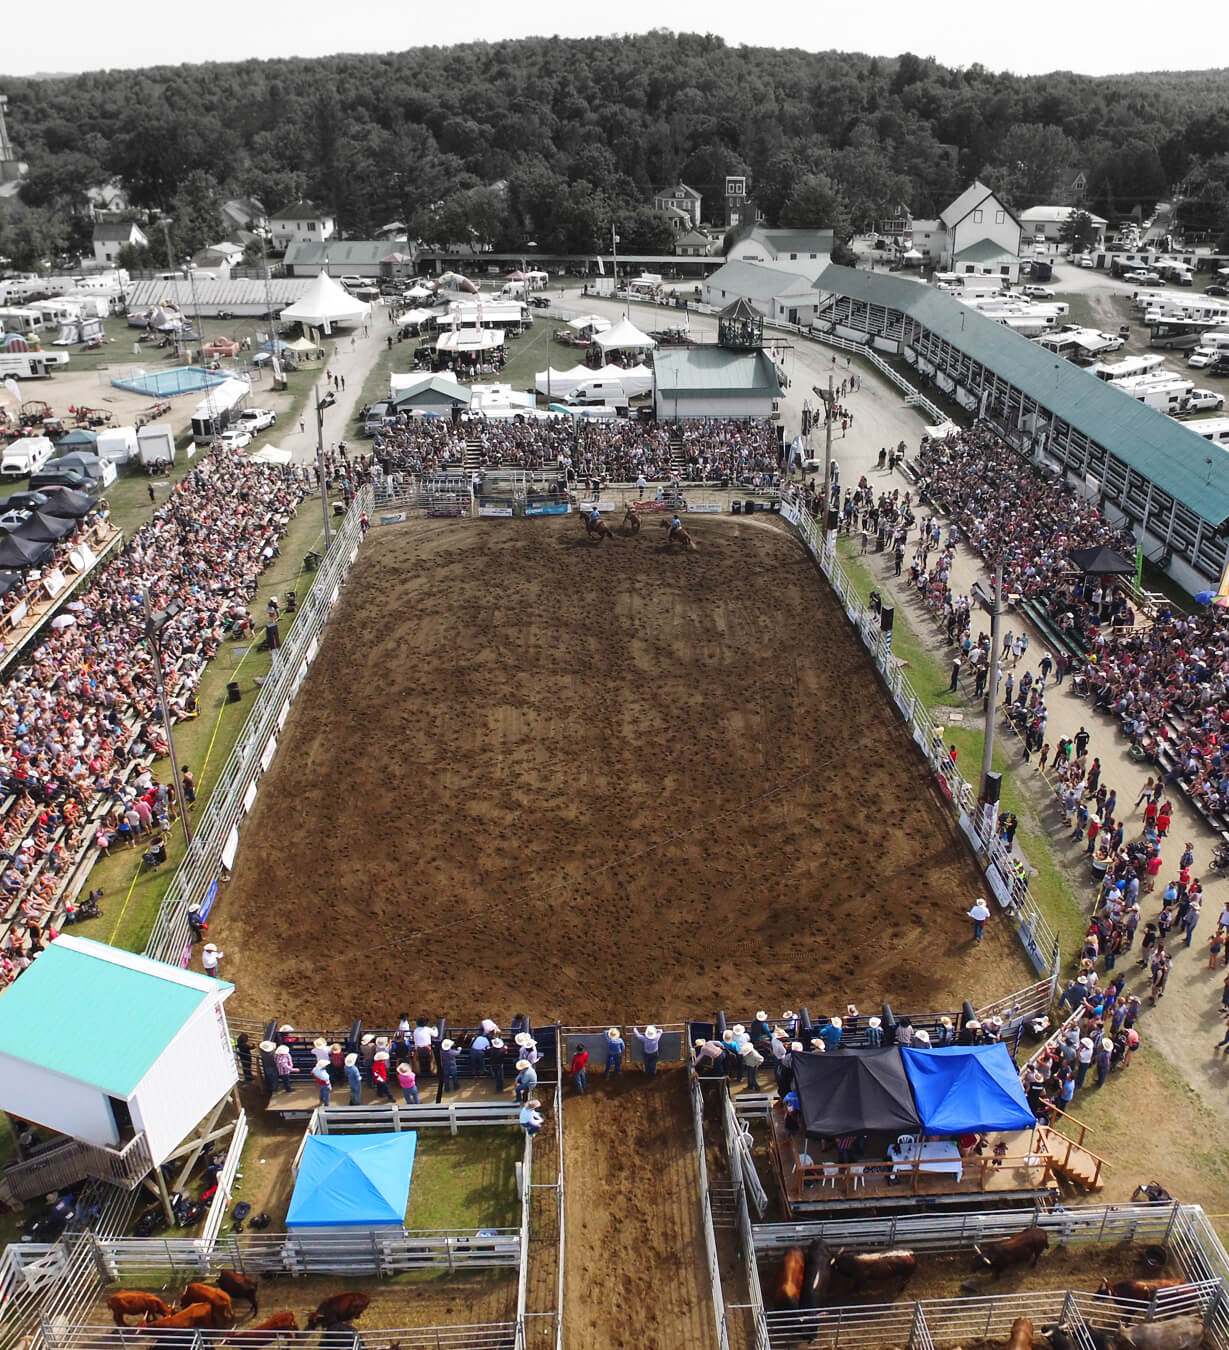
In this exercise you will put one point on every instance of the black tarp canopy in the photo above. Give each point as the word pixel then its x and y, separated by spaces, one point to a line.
pixel 21 553
pixel 1100 560
pixel 8 580
pixel 72 505
pixel 43 528
pixel 854 1091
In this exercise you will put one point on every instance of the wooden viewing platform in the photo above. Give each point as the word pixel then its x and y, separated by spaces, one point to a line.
pixel 1026 1173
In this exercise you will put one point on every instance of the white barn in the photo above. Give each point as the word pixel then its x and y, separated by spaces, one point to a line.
pixel 122 1054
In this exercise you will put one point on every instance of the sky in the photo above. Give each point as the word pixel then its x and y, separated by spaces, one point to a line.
pixel 76 35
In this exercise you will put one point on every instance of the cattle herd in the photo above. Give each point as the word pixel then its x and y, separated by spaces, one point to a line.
pixel 806 1279
pixel 211 1307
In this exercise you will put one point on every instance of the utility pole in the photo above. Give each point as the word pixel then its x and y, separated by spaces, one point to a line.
pixel 322 403
pixel 992 680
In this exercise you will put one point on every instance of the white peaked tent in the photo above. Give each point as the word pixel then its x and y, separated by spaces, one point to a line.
pixel 624 336
pixel 638 380
pixel 325 303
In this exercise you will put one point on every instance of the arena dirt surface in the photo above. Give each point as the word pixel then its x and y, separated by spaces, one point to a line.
pixel 600 783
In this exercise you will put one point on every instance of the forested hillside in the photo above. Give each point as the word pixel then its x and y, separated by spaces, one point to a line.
pixel 549 139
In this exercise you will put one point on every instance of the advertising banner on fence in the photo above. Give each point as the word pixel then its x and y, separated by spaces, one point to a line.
pixel 602 505
pixel 704 509
pixel 548 509
pixel 495 512
pixel 652 506
pixel 392 518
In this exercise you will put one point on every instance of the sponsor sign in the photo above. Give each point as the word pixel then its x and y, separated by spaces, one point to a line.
pixel 444 512
pixel 653 506
pixel 54 582
pixel 602 505
pixel 392 518
pixel 704 509
pixel 496 512
pixel 548 509
pixel 20 611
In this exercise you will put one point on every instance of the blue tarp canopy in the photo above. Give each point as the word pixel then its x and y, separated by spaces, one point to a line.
pixel 353 1180
pixel 961 1088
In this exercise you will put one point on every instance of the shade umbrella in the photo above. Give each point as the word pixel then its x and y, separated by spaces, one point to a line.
pixel 8 580
pixel 19 553
pixel 41 527
pixel 1101 560
pixel 71 505
pixel 63 621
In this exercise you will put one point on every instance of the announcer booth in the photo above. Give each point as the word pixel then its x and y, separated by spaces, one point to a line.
pixel 128 1059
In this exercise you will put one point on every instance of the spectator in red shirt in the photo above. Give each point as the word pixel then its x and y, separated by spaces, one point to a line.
pixel 579 1068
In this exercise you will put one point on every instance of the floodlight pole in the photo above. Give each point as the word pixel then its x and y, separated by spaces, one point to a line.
pixel 992 680
pixel 321 404
pixel 154 625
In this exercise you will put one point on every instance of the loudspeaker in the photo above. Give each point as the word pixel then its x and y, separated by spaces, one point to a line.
pixel 994 785
pixel 736 507
pixel 886 616
pixel 748 507
pixel 834 520
pixel 272 636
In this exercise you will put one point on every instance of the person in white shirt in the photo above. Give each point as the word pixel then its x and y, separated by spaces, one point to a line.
pixel 210 956
pixel 979 914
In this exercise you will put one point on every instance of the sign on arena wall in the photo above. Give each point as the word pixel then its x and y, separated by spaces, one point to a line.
pixel 495 512
pixel 392 518
pixel 19 612
pixel 652 506
pixel 54 582
pixel 705 509
pixel 601 506
pixel 548 509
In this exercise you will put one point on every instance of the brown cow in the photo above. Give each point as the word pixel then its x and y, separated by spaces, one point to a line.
pixel 133 1303
pixel 266 1332
pixel 875 1267
pixel 339 1308
pixel 1028 1244
pixel 239 1287
pixel 789 1281
pixel 218 1300
pixel 1021 1335
pixel 194 1315
pixel 1139 1290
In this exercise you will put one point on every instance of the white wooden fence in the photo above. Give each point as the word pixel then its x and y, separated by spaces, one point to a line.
pixel 216 832
pixel 226 1181
pixel 1031 926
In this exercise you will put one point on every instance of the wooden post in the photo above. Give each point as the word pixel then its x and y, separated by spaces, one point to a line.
pixel 164 1196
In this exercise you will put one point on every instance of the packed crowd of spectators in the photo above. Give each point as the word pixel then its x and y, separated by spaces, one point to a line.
pixel 1010 510
pixel 79 722
pixel 709 450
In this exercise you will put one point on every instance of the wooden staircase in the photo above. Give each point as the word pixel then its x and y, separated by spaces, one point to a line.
pixel 471 459
pixel 678 459
pixel 1070 1158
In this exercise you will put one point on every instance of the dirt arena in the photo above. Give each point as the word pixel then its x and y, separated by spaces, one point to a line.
pixel 600 783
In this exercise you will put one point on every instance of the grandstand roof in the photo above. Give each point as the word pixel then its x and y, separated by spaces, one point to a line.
pixel 714 372
pixel 238 296
pixel 127 1008
pixel 1170 454
pixel 337 252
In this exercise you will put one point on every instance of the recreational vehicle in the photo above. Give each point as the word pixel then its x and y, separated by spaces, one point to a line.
pixel 21 320
pixel 1167 394
pixel 25 457
pixel 1214 429
pixel 31 365
pixel 1128 368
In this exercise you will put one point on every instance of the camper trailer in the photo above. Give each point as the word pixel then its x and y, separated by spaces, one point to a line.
pixel 156 444
pixel 117 444
pixel 31 365
pixel 1214 429
pixel 1165 392
pixel 25 457
pixel 1128 368
pixel 21 320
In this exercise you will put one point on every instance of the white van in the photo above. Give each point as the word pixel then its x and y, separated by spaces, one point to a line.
pixel 25 457
pixel 609 392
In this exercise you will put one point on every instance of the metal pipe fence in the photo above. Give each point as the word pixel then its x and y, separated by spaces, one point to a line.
pixel 217 829
pixel 487 1336
pixel 706 1218
pixel 226 1181
pixel 1009 886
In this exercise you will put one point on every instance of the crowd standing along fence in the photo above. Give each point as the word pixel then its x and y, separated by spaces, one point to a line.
pixel 216 835
pixel 1005 877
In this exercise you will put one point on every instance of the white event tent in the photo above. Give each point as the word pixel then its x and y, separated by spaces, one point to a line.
pixel 624 336
pixel 637 380
pixel 325 303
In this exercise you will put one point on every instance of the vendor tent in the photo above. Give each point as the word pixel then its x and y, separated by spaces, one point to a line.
pixel 43 528
pixel 624 337
pixel 325 303
pixel 81 437
pixel 22 553
pixel 72 505
pixel 8 580
pixel 419 293
pixel 584 323
pixel 353 1180
pixel 413 318
pixel 851 1091
pixel 1101 560
pixel 470 340
pixel 562 382
pixel 271 454
pixel 962 1088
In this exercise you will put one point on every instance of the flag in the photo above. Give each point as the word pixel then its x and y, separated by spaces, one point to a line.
pixel 1139 569
pixel 13 387
pixel 1222 594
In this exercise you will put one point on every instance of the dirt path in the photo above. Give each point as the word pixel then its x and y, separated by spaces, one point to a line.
pixel 635 1278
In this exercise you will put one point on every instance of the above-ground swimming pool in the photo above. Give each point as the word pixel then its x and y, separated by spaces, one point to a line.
pixel 167 383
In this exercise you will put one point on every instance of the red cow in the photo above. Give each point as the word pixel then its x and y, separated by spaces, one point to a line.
pixel 1026 1245
pixel 218 1300
pixel 1021 1336
pixel 875 1267
pixel 339 1308
pixel 133 1303
pixel 239 1287
pixel 266 1332
pixel 193 1316
pixel 789 1282
pixel 1139 1290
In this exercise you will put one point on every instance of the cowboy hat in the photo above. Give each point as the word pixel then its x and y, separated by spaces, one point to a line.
pixel 874 1021
pixel 404 1069
pixel 761 1016
pixel 851 1010
pixel 351 1060
pixel 268 1047
pixel 698 1042
pixel 922 1036
pixel 524 1063
pixel 1106 1043
pixel 496 1043
pixel 369 1039
pixel 788 1015
pixel 523 1038
pixel 319 1043
pixel 778 1034
pixel 612 1033
pixel 973 1024
pixel 381 1056
pixel 738 1029
pixel 533 1101
pixel 447 1045
pixel 945 1021
pixel 835 1022
pixel 651 1031
pixel 211 946
pixel 796 1045
pixel 283 1049
pixel 285 1027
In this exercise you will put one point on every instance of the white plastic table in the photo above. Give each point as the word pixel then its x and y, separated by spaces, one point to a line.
pixel 939 1155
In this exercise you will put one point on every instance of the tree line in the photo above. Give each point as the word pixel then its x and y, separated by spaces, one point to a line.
pixel 554 141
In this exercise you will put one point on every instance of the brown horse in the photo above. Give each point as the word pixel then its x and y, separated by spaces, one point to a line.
pixel 678 535
pixel 597 529
pixel 631 521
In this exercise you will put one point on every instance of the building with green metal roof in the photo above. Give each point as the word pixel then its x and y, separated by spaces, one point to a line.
pixel 1156 477
pixel 713 382
pixel 114 1051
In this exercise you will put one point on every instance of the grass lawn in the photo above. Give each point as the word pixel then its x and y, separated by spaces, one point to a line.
pixel 130 897
pixel 930 677
pixel 466 1180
